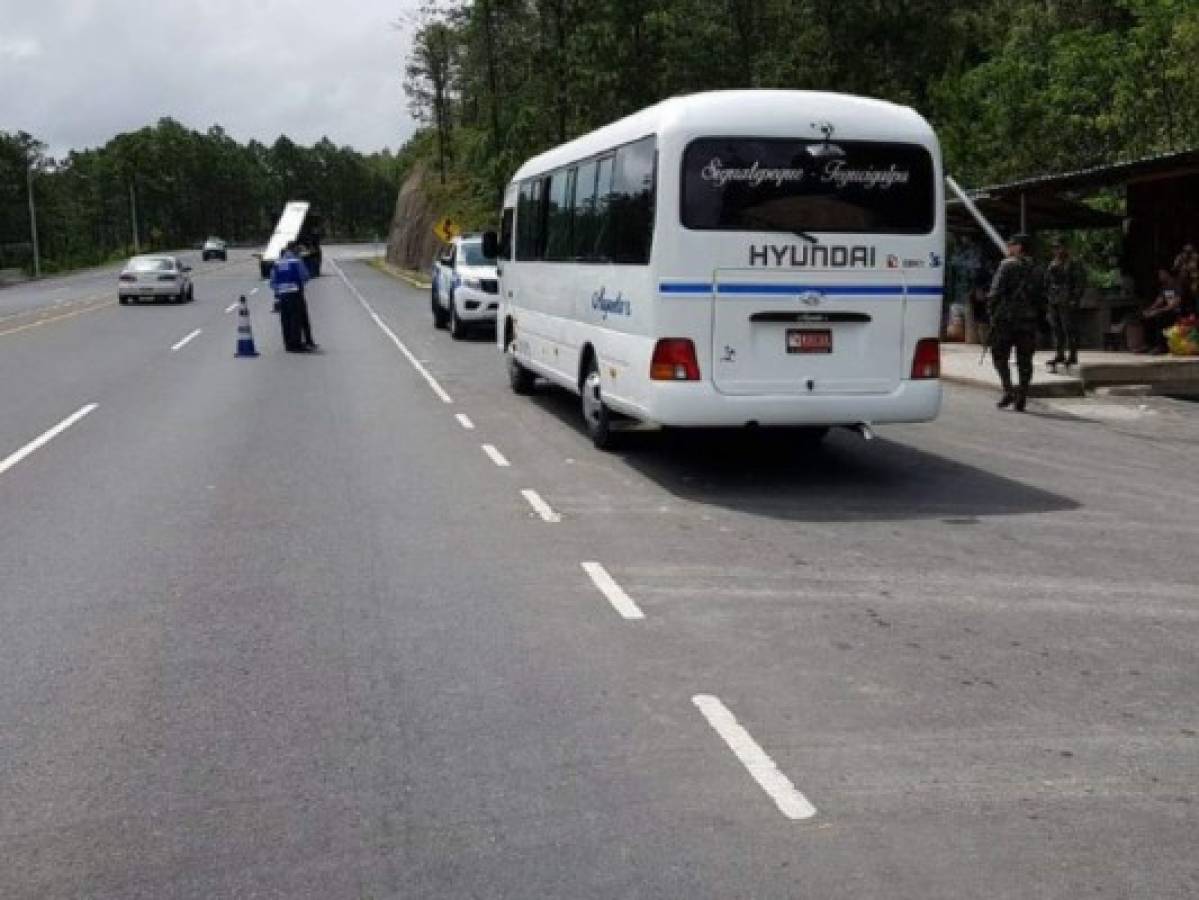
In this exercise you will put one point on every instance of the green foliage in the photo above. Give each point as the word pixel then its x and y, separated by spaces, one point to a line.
pixel 187 185
pixel 1015 87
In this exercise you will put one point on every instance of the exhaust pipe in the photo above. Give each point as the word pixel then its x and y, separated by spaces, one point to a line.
pixel 864 429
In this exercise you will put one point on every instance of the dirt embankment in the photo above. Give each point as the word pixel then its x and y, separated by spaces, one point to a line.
pixel 411 244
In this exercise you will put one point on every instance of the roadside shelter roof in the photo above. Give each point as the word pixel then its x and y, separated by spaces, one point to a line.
pixel 1162 165
pixel 1051 201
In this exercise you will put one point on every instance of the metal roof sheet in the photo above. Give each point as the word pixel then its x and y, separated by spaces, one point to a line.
pixel 1179 162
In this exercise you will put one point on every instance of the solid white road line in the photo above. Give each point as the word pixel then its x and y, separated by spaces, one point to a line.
pixel 465 422
pixel 496 456
pixel 416 363
pixel 620 601
pixel 46 438
pixel 790 802
pixel 542 508
pixel 187 340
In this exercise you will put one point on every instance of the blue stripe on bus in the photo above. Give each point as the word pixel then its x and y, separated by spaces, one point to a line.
pixel 831 290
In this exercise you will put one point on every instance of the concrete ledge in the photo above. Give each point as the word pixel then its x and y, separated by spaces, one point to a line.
pixel 960 364
pixel 1096 369
pixel 1152 370
pixel 1066 387
pixel 415 279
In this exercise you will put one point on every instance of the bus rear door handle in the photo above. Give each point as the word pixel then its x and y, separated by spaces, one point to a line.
pixel 809 318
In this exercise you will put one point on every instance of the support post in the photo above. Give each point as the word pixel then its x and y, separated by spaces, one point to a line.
pixel 37 262
pixel 982 221
pixel 133 217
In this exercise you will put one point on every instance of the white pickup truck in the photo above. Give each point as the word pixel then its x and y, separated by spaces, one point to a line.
pixel 465 289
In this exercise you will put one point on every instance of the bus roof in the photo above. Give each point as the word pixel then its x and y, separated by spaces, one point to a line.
pixel 751 113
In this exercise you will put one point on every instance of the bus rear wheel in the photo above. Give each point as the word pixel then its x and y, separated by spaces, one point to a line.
pixel 596 415
pixel 520 379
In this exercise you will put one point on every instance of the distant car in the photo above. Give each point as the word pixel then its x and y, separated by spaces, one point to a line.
pixel 214 248
pixel 155 278
pixel 465 287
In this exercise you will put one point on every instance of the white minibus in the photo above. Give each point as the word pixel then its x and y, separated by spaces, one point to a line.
pixel 733 258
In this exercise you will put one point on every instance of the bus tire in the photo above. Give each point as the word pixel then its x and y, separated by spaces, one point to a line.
pixel 520 379
pixel 596 415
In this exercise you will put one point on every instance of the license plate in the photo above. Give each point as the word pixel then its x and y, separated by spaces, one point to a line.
pixel 803 340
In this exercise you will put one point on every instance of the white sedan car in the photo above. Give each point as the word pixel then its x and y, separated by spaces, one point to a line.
pixel 465 287
pixel 155 278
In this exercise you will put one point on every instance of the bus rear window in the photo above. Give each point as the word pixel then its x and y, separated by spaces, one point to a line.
pixel 768 184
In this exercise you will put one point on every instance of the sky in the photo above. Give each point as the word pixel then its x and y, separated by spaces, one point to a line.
pixel 74 73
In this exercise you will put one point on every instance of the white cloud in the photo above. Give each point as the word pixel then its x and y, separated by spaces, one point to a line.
pixel 260 68
pixel 19 49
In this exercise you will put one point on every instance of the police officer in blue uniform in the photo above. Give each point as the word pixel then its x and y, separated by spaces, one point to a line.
pixel 288 277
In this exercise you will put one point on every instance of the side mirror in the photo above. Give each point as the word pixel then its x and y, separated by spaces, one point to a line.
pixel 491 245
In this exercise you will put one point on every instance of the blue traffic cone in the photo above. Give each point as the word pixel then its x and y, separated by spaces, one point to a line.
pixel 245 337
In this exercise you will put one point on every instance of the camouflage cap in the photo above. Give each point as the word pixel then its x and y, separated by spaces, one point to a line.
pixel 1019 238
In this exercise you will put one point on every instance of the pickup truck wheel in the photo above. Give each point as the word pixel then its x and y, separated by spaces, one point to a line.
pixel 457 326
pixel 439 317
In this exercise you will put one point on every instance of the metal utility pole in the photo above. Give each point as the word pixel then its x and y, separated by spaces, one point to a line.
pixel 37 263
pixel 133 216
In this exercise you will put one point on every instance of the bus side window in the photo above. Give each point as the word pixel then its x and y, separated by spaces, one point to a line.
pixel 560 215
pixel 506 234
pixel 584 209
pixel 530 224
pixel 631 232
pixel 603 211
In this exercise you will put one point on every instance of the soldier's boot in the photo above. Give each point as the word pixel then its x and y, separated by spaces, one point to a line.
pixel 1021 397
pixel 1073 360
pixel 1009 395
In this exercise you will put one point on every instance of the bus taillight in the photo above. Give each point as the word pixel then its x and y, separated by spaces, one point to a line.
pixel 927 361
pixel 674 360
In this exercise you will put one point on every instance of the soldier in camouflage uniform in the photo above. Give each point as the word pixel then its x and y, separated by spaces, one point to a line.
pixel 1014 301
pixel 1065 281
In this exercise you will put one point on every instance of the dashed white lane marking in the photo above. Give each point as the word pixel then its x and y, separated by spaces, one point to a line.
pixel 495 455
pixel 465 422
pixel 416 363
pixel 232 306
pixel 183 342
pixel 542 508
pixel 778 786
pixel 607 585
pixel 254 291
pixel 14 458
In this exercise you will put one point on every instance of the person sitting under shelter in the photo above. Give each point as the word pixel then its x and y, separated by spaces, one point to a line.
pixel 1161 313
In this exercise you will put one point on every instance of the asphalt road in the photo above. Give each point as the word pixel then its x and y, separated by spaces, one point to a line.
pixel 286 627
